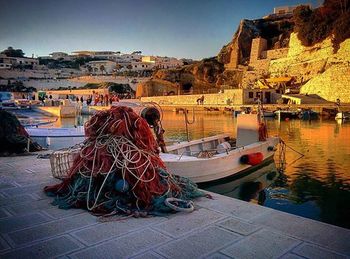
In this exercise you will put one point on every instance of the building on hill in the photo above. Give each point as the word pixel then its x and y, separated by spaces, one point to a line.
pixel 103 55
pixel 163 62
pixel 8 62
pixel 58 55
pixel 101 66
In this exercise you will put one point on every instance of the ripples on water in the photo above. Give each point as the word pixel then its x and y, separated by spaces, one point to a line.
pixel 316 186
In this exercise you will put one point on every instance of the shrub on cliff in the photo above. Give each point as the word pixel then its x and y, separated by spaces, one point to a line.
pixel 316 25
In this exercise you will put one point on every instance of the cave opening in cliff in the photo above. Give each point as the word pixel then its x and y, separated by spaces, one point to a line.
pixel 186 87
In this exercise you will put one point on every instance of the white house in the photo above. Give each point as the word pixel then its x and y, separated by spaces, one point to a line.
pixel 18 61
pixel 163 62
pixel 58 55
pixel 138 66
pixel 101 66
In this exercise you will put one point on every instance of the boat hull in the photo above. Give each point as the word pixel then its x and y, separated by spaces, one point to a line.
pixel 57 138
pixel 204 170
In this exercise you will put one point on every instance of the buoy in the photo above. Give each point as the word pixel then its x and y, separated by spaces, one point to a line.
pixel 252 159
pixel 121 186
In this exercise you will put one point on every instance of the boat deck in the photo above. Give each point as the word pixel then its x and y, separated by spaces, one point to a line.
pixel 221 227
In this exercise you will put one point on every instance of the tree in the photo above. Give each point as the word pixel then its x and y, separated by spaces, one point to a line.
pixel 103 69
pixel 11 52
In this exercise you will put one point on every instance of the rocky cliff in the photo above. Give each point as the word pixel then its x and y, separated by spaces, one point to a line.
pixel 211 74
pixel 277 53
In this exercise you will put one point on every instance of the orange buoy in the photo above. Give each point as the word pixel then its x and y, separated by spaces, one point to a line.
pixel 252 159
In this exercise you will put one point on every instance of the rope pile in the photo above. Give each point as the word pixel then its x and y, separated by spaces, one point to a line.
pixel 13 136
pixel 119 171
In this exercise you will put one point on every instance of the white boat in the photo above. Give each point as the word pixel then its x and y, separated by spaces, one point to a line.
pixel 57 138
pixel 213 158
pixel 343 116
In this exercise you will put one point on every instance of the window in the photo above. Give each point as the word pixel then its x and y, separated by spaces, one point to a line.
pixel 251 95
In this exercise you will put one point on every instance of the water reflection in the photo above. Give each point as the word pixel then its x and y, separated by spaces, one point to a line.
pixel 249 187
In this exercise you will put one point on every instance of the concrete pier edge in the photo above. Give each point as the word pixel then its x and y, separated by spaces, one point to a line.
pixel 221 227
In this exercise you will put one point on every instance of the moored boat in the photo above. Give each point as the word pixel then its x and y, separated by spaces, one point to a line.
pixel 213 158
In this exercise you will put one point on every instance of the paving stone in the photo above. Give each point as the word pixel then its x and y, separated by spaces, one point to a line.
pixel 26 189
pixel 108 230
pixel 46 249
pixel 29 207
pixel 239 226
pixel 51 229
pixel 148 255
pixel 56 213
pixel 291 256
pixel 183 223
pixel 261 244
pixel 235 207
pixel 312 251
pixel 328 236
pixel 16 199
pixel 4 213
pixel 125 246
pixel 6 185
pixel 198 244
pixel 19 222
pixel 3 245
pixel 217 256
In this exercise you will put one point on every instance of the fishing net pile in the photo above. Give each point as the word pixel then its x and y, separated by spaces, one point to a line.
pixel 119 171
pixel 13 137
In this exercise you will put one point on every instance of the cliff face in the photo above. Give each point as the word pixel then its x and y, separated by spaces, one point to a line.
pixel 213 73
pixel 259 49
pixel 275 30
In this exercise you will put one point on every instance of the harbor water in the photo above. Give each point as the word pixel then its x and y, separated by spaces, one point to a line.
pixel 315 186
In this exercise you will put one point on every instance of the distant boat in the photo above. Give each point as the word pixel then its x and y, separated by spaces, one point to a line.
pixel 268 114
pixel 57 138
pixel 286 114
pixel 343 116
pixel 308 115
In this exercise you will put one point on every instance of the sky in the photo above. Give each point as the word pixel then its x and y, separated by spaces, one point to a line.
pixel 179 28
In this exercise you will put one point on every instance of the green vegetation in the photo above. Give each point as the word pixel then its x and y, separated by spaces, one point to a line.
pixel 11 52
pixel 313 26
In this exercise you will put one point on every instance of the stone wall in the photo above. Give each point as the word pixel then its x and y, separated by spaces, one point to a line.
pixel 276 53
pixel 228 97
pixel 258 46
